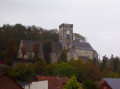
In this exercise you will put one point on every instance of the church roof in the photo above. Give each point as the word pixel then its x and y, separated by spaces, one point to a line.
pixel 56 46
pixel 83 46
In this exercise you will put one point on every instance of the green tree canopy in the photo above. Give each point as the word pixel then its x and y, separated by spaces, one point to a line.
pixel 73 84
pixel 65 69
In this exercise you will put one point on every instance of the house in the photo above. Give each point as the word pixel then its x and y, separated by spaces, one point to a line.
pixel 34 85
pixel 25 85
pixel 53 81
pixel 103 85
pixel 113 82
pixel 74 49
pixel 6 82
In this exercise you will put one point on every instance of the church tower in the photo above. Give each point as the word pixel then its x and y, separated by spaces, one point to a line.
pixel 66 35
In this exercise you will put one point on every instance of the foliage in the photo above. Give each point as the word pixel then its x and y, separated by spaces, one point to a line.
pixel 24 50
pixel 92 72
pixel 39 66
pixel 36 49
pixel 110 74
pixel 47 49
pixel 22 72
pixel 63 56
pixel 90 84
pixel 104 62
pixel 19 31
pixel 49 69
pixel 65 69
pixel 79 38
pixel 73 84
pixel 10 52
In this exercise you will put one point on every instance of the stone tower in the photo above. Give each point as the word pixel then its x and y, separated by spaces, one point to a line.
pixel 66 35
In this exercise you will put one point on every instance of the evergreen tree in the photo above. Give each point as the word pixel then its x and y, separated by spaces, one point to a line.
pixel 47 49
pixel 73 84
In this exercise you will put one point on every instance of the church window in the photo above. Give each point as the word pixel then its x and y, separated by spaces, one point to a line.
pixel 68 32
pixel 67 36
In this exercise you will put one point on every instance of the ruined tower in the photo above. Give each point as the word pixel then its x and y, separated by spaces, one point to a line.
pixel 66 35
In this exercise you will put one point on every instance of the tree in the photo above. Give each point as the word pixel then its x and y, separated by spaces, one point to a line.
pixel 10 52
pixel 63 56
pixel 79 38
pixel 23 72
pixel 80 66
pixel 90 84
pixel 72 84
pixel 95 61
pixel 92 72
pixel 47 49
pixel 49 69
pixel 36 49
pixel 65 69
pixel 24 50
pixel 104 62
pixel 39 66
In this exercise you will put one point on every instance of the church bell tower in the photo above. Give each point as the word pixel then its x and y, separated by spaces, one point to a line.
pixel 66 35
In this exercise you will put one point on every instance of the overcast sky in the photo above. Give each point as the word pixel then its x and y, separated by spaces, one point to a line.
pixel 97 20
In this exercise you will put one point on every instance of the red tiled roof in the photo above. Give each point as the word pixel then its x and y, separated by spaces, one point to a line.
pixel 11 80
pixel 100 83
pixel 54 82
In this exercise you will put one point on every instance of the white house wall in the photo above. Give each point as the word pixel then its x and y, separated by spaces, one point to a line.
pixel 39 85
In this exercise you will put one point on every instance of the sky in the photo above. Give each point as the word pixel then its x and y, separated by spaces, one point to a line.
pixel 97 20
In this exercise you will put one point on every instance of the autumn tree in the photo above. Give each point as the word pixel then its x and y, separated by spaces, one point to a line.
pixel 63 56
pixel 10 52
pixel 91 71
pixel 24 50
pixel 36 49
pixel 73 84
pixel 47 49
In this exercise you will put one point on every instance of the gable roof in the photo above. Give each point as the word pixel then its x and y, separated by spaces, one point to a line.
pixel 9 87
pixel 113 82
pixel 82 46
pixel 53 81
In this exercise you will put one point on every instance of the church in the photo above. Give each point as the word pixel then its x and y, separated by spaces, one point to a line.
pixel 74 49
